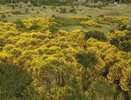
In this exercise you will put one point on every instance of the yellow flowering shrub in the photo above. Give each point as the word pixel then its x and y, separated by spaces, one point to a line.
pixel 90 23
pixel 7 27
pixel 63 65
pixel 120 39
pixel 126 79
pixel 120 20
pixel 81 17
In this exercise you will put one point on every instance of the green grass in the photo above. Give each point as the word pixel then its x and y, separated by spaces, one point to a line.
pixel 121 10
pixel 48 11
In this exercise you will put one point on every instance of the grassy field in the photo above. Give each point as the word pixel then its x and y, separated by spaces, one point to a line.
pixel 48 11
pixel 12 14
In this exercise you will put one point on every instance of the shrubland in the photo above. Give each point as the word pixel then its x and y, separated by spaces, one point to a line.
pixel 40 61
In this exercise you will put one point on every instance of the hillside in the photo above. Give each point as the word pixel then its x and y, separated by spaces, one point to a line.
pixel 39 61
pixel 64 51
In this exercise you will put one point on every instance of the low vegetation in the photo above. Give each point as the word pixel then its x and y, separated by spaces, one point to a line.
pixel 41 61
pixel 49 51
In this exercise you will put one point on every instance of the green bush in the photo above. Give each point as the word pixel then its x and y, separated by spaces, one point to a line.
pixel 13 81
pixel 87 59
pixel 95 34
pixel 3 16
pixel 72 10
pixel 37 12
pixel 125 45
pixel 44 7
pixel 16 12
pixel 26 11
pixel 35 26
pixel 13 7
pixel 101 88
pixel 2 42
pixel 20 25
pixel 63 10
pixel 122 42
pixel 5 20
pixel 54 28
pixel 32 9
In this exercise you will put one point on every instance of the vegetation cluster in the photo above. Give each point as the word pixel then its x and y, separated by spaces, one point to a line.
pixel 40 61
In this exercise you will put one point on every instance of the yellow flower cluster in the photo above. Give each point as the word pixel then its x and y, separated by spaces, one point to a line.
pixel 41 22
pixel 116 34
pixel 90 23
pixel 80 17
pixel 121 20
pixel 7 26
